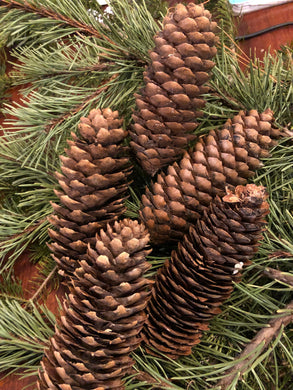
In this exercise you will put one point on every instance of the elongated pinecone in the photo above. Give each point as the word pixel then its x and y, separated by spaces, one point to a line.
pixel 94 183
pixel 199 277
pixel 104 314
pixel 225 157
pixel 171 100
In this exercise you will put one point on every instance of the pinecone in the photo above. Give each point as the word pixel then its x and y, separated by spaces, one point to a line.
pixel 224 157
pixel 94 183
pixel 171 100
pixel 104 314
pixel 199 277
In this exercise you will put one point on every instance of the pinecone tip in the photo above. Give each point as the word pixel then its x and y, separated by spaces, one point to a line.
pixel 250 194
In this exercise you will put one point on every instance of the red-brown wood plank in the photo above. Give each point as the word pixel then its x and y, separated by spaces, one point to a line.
pixel 260 20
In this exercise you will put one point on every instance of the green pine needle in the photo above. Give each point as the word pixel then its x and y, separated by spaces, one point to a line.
pixel 11 288
pixel 23 336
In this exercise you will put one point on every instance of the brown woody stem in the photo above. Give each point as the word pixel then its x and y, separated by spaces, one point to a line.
pixel 102 88
pixel 263 337
pixel 29 230
pixel 42 286
pixel 229 100
pixel 54 15
pixel 278 275
pixel 145 377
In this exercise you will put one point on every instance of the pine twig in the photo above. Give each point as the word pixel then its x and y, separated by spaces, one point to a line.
pixel 42 11
pixel 75 110
pixel 244 59
pixel 278 275
pixel 264 337
pixel 14 297
pixel 229 100
pixel 99 67
pixel 145 377
pixel 29 229
pixel 42 286
pixel 18 162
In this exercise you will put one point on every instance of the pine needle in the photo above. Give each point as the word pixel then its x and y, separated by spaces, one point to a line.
pixel 23 336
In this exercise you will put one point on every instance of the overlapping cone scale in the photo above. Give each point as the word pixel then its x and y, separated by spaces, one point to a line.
pixel 225 157
pixel 103 315
pixel 199 277
pixel 94 183
pixel 171 101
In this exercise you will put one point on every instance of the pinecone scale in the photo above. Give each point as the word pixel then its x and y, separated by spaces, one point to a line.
pixel 104 314
pixel 199 277
pixel 94 183
pixel 226 157
pixel 171 101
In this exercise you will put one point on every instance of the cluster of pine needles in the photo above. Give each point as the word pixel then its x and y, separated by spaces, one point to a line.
pixel 69 59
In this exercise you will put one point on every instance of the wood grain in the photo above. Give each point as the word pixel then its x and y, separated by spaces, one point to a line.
pixel 260 20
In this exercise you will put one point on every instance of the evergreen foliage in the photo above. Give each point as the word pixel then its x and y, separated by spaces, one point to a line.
pixel 23 334
pixel 4 79
pixel 68 62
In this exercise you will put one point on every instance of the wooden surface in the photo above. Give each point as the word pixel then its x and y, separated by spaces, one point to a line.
pixel 247 24
pixel 260 20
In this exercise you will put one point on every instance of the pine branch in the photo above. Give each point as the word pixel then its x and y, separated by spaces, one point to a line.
pixel 29 229
pixel 52 14
pixel 23 336
pixel 222 12
pixel 19 77
pixel 17 233
pixel 280 276
pixel 230 101
pixel 41 256
pixel 260 81
pixel 102 88
pixel 11 288
pixel 4 78
pixel 42 287
pixel 262 338
pixel 143 376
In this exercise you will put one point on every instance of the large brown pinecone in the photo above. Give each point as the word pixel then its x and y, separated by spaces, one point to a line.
pixel 224 157
pixel 104 314
pixel 199 277
pixel 171 100
pixel 94 183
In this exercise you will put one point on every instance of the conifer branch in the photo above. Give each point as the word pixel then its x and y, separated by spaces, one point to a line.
pixel 13 297
pixel 263 338
pixel 23 336
pixel 146 377
pixel 103 87
pixel 42 287
pixel 45 12
pixel 11 288
pixel 229 100
pixel 29 229
pixel 67 70
pixel 280 276
pixel 243 61
pixel 98 67
pixel 242 57
pixel 19 163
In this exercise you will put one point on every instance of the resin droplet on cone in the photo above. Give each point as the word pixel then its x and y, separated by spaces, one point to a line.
pixel 171 101
pixel 199 277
